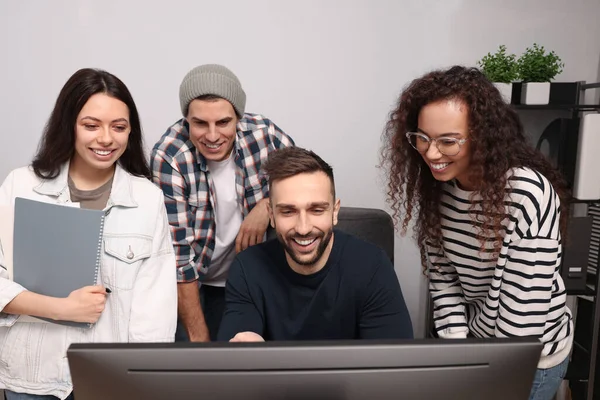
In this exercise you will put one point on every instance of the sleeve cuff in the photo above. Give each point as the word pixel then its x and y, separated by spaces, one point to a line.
pixel 444 334
pixel 8 320
pixel 9 292
pixel 187 274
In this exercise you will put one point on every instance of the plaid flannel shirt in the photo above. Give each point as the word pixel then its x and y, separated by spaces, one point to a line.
pixel 181 172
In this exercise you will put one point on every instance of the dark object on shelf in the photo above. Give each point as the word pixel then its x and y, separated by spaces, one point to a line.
pixel 563 92
pixel 577 373
pixel 575 253
pixel 561 137
pixel 515 97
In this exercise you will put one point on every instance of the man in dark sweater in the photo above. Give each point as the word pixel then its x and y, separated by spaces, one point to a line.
pixel 314 282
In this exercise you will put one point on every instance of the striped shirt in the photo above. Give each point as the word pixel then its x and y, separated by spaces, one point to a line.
pixel 519 292
pixel 181 171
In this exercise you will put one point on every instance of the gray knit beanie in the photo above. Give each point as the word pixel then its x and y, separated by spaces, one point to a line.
pixel 212 79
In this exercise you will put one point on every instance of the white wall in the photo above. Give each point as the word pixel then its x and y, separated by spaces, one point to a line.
pixel 327 72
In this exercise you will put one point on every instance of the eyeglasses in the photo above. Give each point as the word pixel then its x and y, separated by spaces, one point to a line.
pixel 448 146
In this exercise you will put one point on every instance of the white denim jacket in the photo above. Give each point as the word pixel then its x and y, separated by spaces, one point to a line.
pixel 142 306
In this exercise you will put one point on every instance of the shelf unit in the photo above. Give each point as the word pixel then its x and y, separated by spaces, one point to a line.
pixel 584 372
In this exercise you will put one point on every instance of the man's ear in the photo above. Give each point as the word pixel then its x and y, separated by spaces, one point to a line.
pixel 336 210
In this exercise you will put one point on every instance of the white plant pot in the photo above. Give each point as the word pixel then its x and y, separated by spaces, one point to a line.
pixel 535 93
pixel 505 90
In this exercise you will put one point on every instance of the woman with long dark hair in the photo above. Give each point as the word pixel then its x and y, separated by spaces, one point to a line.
pixel 489 212
pixel 91 155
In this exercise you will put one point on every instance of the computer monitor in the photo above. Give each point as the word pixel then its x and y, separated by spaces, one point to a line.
pixel 339 370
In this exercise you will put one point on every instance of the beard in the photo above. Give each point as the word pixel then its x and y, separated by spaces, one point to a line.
pixel 325 238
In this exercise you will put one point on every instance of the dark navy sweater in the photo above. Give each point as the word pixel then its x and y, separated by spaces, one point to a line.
pixel 355 296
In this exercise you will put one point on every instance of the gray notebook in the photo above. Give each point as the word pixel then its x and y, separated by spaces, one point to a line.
pixel 56 248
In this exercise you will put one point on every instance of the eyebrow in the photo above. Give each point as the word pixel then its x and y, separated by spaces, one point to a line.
pixel 201 121
pixel 442 135
pixel 97 120
pixel 311 205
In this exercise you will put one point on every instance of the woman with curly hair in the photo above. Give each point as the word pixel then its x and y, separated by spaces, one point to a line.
pixel 489 212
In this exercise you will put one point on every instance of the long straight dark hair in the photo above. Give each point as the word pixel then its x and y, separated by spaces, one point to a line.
pixel 57 145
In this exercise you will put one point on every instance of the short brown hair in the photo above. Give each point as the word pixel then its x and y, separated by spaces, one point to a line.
pixel 291 161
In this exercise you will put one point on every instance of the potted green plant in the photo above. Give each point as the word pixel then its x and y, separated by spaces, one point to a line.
pixel 501 69
pixel 536 69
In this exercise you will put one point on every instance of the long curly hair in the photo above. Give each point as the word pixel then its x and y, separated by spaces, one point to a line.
pixel 497 142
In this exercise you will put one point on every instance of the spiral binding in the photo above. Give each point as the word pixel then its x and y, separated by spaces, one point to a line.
pixel 99 251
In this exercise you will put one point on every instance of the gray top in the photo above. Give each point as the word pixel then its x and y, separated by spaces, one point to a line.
pixel 94 199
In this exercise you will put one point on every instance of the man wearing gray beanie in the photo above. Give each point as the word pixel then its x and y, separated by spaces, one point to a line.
pixel 208 167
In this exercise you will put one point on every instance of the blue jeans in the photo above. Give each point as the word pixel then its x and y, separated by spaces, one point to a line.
pixel 24 396
pixel 547 381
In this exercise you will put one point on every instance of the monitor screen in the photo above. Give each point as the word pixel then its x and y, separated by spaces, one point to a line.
pixel 339 370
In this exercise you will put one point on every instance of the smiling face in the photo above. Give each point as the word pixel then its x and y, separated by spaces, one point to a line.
pixel 303 212
pixel 213 127
pixel 446 119
pixel 101 134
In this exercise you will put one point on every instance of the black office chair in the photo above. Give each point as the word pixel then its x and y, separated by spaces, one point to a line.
pixel 370 224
